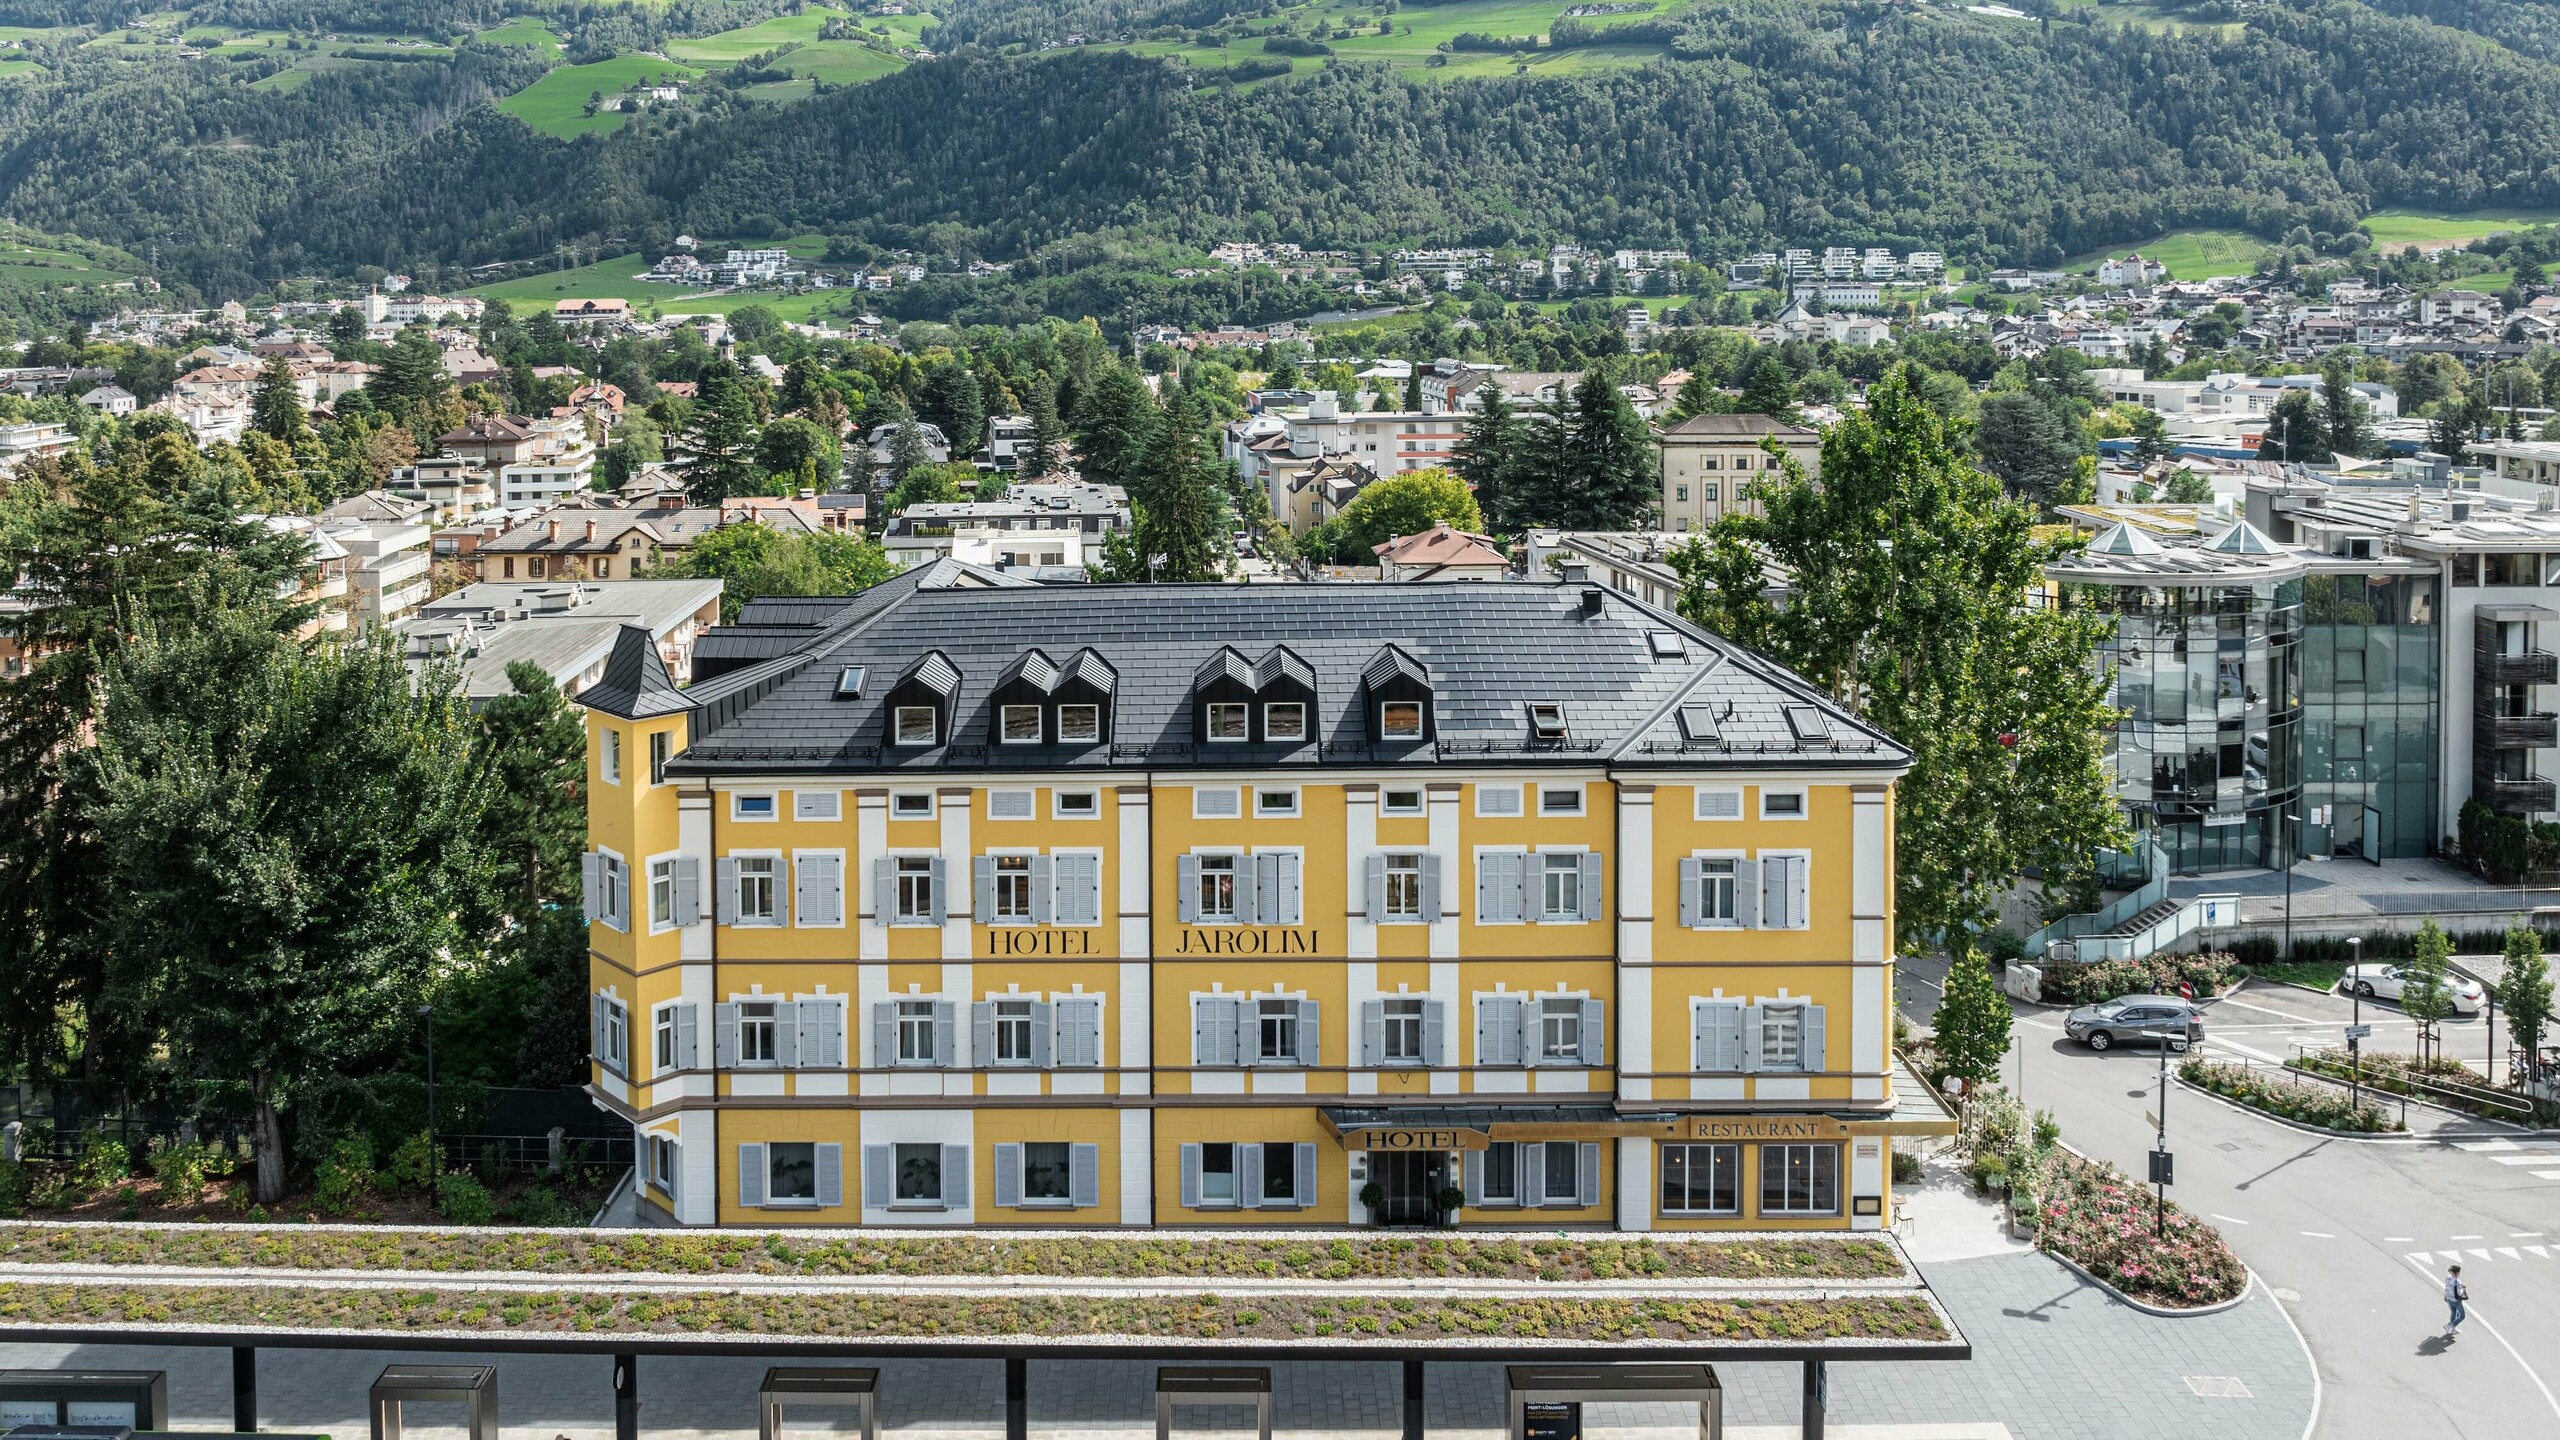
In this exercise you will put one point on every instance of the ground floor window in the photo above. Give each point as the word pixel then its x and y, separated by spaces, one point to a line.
pixel 1046 1173
pixel 1701 1179
pixel 1799 1180
pixel 919 1174
pixel 792 1170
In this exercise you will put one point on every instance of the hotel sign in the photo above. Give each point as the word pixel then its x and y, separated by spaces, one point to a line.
pixel 1415 1140
pixel 1236 940
pixel 1004 940
pixel 1765 1127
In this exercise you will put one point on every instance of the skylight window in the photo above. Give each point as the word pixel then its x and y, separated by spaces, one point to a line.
pixel 1546 720
pixel 849 683
pixel 1698 725
pixel 1667 644
pixel 1809 725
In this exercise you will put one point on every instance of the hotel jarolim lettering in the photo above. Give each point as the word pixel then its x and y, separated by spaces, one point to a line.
pixel 966 901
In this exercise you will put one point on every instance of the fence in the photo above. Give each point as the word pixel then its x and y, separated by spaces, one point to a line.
pixel 2453 1095
pixel 60 1125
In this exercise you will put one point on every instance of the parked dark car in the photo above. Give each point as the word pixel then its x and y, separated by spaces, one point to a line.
pixel 2135 1018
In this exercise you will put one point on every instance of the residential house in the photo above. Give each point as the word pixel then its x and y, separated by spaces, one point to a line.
pixel 1440 553
pixel 1059 525
pixel 452 486
pixel 34 440
pixel 606 309
pixel 568 629
pixel 533 459
pixel 1709 462
pixel 110 400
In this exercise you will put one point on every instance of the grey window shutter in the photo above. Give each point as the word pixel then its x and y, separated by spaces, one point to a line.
pixel 724 1036
pixel 595 1026
pixel 1080 1031
pixel 1373 1032
pixel 1531 1168
pixel 804 892
pixel 1043 1026
pixel 982 1033
pixel 982 893
pixel 1799 892
pixel 1587 1171
pixel 1251 887
pixel 884 890
pixel 1488 884
pixel 1812 1048
pixel 1746 893
pixel 831 887
pixel 831 1031
pixel 941 892
pixel 1521 905
pixel 1190 1182
pixel 1292 902
pixel 751 1175
pixel 946 1050
pixel 1533 1044
pixel 1079 889
pixel 884 1033
pixel 688 887
pixel 1204 1028
pixel 724 885
pixel 1374 887
pixel 1249 1176
pixel 688 1054
pixel 1248 1018
pixel 1304 1189
pixel 1471 1176
pixel 1084 1176
pixel 1594 903
pixel 786 1034
pixel 879 1175
pixel 1186 888
pixel 1043 886
pixel 1702 1042
pixel 1435 1032
pixel 1690 908
pixel 1727 1018
pixel 1430 889
pixel 1595 1032
pixel 1310 1032
pixel 1750 1039
pixel 955 1177
pixel 1008 1175
pixel 830 1174
pixel 591 885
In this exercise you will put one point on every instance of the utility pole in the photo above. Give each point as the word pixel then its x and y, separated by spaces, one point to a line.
pixel 2160 1161
pixel 2355 1042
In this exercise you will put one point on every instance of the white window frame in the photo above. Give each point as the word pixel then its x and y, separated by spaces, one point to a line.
pixel 1391 1021
pixel 662 873
pixel 1030 805
pixel 1552 1009
pixel 737 806
pixel 1543 869
pixel 661 749
pixel 895 902
pixel 1411 874
pixel 1286 794
pixel 999 915
pixel 775 878
pixel 663 1028
pixel 1058 805
pixel 1732 919
pixel 1774 1152
pixel 898 717
pixel 1092 738
pixel 1027 1021
pixel 901 798
pixel 772 1057
pixel 1804 802
pixel 1387 805
pixel 806 805
pixel 1510 1196
pixel 1243 715
pixel 1519 802
pixel 1240 877
pixel 1774 1010
pixel 1234 794
pixel 1271 709
pixel 663 1162
pixel 609 758
pixel 1005 716
pixel 1234 1175
pixel 617 1037
pixel 1698 802
pixel 1388 731
pixel 899 1022
pixel 1546 791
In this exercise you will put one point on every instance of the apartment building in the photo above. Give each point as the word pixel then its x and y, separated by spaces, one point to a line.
pixel 1061 524
pixel 533 459
pixel 1218 905
pixel 1709 461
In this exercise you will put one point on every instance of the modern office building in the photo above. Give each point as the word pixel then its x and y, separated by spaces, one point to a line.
pixel 1207 905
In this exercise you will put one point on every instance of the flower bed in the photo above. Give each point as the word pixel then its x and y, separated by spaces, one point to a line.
pixel 2302 1102
pixel 2096 1217
pixel 2159 974
pixel 1282 1317
pixel 1338 1258
pixel 2440 1081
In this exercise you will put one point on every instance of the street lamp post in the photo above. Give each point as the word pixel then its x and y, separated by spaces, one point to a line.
pixel 2292 856
pixel 2355 1042
pixel 2160 1141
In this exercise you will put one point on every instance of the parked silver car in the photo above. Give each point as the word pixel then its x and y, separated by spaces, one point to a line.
pixel 2390 982
pixel 2137 1018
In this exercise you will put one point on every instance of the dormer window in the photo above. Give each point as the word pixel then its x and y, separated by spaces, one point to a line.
pixel 916 725
pixel 1400 720
pixel 1229 721
pixel 1079 724
pixel 1284 721
pixel 1021 724
pixel 1546 720
pixel 1397 695
pixel 920 704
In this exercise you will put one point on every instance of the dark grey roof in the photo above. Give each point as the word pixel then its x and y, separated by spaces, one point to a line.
pixel 1487 649
pixel 1280 664
pixel 1089 668
pixel 1223 664
pixel 1392 664
pixel 1034 667
pixel 635 684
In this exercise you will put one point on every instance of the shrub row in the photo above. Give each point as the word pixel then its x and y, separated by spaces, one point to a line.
pixel 2155 975
pixel 2302 1102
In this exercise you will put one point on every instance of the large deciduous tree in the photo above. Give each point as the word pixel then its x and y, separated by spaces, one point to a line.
pixel 1910 579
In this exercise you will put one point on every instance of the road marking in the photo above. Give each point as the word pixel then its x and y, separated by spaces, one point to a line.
pixel 2537 1159
pixel 2483 1254
pixel 2524 1234
pixel 2296 1016
pixel 2399 1240
pixel 2547 1397
pixel 2541 1252
pixel 2462 1237
pixel 2476 1146
pixel 2319 1235
pixel 2510 1252
pixel 2230 1219
pixel 2318 1390
pixel 2452 1257
pixel 2546 1174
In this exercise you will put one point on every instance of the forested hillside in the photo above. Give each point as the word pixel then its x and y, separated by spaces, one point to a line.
pixel 1823 120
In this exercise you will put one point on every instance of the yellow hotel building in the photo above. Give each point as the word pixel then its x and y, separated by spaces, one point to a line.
pixel 979 903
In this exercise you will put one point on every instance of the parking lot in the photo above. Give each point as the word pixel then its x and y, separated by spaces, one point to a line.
pixel 2267 1021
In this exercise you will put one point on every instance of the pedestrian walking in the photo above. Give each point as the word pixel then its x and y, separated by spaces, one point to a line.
pixel 2455 1293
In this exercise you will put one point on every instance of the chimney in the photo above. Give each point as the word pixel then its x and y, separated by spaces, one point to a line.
pixel 1575 572
pixel 591 531
pixel 554 530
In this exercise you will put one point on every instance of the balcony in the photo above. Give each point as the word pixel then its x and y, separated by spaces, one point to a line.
pixel 2515 732
pixel 2534 667
pixel 2512 797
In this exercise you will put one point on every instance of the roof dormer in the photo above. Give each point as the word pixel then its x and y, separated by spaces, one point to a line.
pixel 919 706
pixel 1395 698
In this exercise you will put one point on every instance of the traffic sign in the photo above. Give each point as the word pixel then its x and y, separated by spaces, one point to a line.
pixel 2162 1167
pixel 2359 1032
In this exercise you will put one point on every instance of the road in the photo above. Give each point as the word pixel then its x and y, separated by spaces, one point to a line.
pixel 2353 1235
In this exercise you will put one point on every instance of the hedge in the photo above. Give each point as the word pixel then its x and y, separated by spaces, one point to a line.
pixel 2155 975
pixel 2302 1102
pixel 1339 1258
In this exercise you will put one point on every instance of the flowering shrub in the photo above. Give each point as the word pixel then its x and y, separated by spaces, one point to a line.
pixel 2155 975
pixel 2097 1218
pixel 2295 1100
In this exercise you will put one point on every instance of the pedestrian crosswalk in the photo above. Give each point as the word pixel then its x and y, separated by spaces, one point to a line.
pixel 2431 1260
pixel 2538 1158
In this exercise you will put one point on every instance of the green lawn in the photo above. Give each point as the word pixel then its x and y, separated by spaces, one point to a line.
pixel 34 32
pixel 18 67
pixel 1419 33
pixel 532 34
pixel 2191 254
pixel 2318 974
pixel 2390 228
pixel 2492 282
pixel 616 278
pixel 839 62
pixel 731 46
pixel 555 103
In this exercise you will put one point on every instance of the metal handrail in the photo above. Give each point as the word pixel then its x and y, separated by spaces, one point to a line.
pixel 2400 1082
pixel 2133 902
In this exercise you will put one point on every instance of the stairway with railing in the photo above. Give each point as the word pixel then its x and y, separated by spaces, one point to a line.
pixel 2142 921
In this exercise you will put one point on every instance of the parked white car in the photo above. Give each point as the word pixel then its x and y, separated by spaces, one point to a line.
pixel 2386 982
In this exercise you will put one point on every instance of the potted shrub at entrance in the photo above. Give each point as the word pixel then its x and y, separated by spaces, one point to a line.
pixel 1373 1195
pixel 1450 1198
